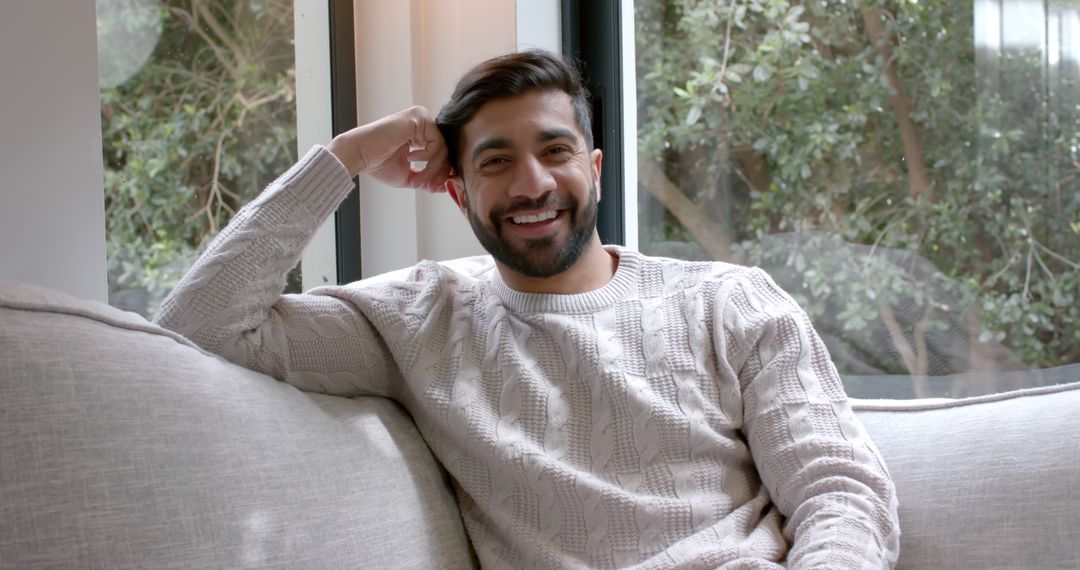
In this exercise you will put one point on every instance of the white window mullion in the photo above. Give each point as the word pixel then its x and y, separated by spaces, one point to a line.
pixel 314 124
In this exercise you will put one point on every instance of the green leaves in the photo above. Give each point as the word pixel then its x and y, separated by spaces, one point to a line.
pixel 762 72
pixel 185 146
pixel 787 123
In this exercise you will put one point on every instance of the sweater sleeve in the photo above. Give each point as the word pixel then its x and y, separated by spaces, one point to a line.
pixel 815 458
pixel 230 302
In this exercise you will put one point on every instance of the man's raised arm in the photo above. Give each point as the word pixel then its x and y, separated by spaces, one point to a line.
pixel 230 302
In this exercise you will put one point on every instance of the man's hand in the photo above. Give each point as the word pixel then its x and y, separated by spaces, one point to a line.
pixel 383 150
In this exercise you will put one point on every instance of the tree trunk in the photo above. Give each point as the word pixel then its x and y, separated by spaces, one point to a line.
pixel 691 216
pixel 918 175
pixel 915 358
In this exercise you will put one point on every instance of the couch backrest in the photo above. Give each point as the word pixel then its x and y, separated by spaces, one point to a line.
pixel 986 482
pixel 124 446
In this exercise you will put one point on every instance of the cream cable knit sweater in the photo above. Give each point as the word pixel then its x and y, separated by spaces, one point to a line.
pixel 685 415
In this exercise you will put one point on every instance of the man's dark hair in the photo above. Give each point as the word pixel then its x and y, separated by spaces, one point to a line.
pixel 509 76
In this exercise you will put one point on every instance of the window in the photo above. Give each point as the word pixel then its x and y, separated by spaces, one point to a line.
pixel 198 115
pixel 907 170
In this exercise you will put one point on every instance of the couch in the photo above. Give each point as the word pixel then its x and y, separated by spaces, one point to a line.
pixel 123 445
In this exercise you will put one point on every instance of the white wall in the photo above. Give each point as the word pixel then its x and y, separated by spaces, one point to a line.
pixel 384 85
pixel 52 217
pixel 539 25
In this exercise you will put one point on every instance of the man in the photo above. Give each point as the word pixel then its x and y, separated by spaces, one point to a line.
pixel 595 407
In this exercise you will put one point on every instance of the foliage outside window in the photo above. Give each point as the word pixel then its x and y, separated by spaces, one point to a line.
pixel 908 170
pixel 198 115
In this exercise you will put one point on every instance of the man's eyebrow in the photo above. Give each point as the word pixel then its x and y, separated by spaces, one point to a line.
pixel 556 133
pixel 494 143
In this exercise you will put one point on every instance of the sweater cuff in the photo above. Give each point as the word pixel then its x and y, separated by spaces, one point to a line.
pixel 318 182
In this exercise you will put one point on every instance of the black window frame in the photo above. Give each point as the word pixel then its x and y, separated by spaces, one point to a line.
pixel 592 37
pixel 343 117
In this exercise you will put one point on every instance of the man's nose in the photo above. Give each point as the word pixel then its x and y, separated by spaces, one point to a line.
pixel 532 178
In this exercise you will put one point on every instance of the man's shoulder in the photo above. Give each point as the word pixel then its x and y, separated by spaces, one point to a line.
pixel 474 268
pixel 471 269
pixel 725 285
pixel 412 293
pixel 693 272
pixel 453 276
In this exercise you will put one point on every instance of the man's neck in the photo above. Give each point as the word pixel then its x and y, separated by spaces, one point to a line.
pixel 592 271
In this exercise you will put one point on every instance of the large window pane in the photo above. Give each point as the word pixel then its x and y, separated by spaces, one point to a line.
pixel 198 115
pixel 908 170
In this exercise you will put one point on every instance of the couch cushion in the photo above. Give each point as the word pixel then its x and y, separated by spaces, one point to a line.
pixel 124 446
pixel 986 482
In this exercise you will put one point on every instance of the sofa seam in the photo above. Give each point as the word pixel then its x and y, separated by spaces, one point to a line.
pixel 897 406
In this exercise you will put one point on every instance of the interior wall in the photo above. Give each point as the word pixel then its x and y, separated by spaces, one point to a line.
pixel 539 24
pixel 417 50
pixel 52 213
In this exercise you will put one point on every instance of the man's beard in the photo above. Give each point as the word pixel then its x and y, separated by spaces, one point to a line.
pixel 540 257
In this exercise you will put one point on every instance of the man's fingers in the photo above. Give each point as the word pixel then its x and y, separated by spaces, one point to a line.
pixel 388 148
pixel 431 178
pixel 434 174
pixel 400 158
pixel 417 125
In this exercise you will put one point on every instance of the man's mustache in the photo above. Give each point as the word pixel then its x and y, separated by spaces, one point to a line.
pixel 547 201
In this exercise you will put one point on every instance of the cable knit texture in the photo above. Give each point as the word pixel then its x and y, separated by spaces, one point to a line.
pixel 685 415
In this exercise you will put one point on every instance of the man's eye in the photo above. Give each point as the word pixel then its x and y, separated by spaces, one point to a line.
pixel 560 150
pixel 494 162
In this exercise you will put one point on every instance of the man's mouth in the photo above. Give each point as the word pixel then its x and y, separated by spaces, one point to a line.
pixel 535 218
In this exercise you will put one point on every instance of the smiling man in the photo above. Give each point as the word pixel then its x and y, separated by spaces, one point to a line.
pixel 595 407
pixel 534 190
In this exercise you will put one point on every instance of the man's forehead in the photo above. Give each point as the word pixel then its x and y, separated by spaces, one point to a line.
pixel 536 114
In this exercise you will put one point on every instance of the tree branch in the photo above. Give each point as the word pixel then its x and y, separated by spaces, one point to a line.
pixel 727 39
pixel 1056 255
pixel 239 58
pixel 193 23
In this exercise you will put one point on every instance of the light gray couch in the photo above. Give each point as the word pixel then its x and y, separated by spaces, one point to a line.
pixel 122 445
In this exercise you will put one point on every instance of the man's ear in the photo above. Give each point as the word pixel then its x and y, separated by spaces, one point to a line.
pixel 597 157
pixel 455 187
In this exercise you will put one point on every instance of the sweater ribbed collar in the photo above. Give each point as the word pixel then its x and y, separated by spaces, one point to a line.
pixel 622 284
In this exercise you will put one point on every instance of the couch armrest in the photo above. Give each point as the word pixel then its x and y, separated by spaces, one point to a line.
pixel 124 446
pixel 985 482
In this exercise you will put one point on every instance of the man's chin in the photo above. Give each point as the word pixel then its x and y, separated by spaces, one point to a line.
pixel 539 258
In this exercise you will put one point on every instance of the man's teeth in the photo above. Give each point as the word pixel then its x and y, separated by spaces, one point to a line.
pixel 535 218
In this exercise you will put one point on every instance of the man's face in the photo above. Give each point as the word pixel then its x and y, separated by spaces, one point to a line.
pixel 532 184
